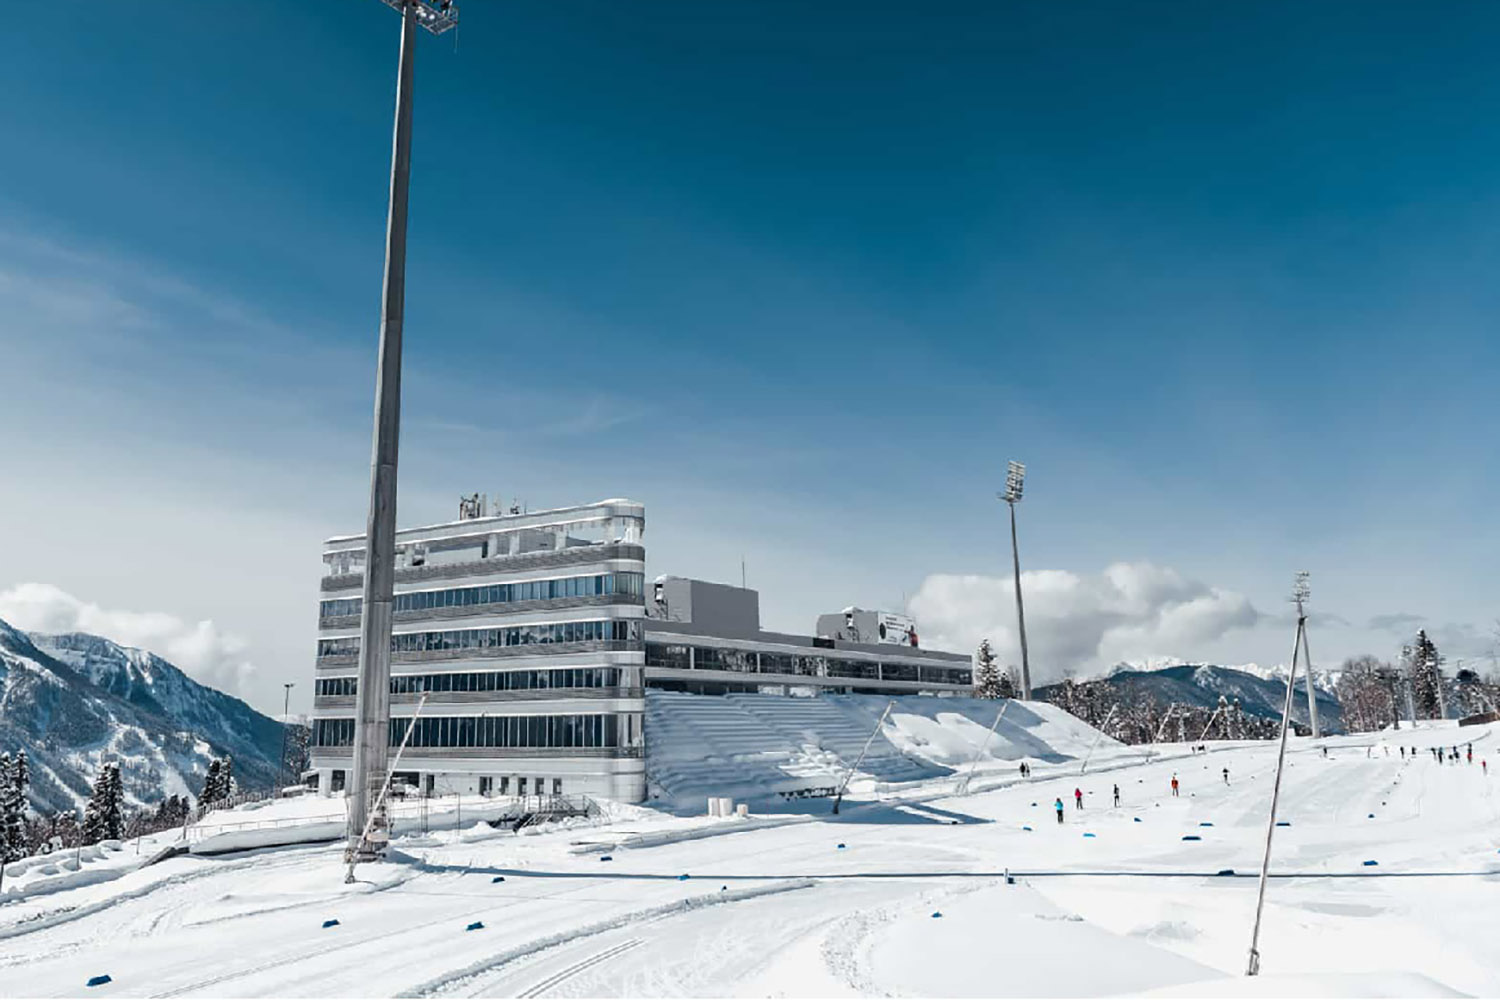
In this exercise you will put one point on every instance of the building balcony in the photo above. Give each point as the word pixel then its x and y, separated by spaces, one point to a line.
pixel 476 610
pixel 577 555
pixel 492 697
pixel 539 649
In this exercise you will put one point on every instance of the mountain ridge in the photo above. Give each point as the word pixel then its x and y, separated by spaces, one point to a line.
pixel 75 700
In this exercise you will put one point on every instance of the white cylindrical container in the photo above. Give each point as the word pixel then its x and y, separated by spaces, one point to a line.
pixel 713 805
pixel 744 809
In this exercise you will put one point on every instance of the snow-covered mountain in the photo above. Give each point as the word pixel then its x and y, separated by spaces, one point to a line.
pixel 73 701
pixel 1261 691
pixel 1324 679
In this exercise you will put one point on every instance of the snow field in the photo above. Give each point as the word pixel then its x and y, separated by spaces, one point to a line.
pixel 1133 908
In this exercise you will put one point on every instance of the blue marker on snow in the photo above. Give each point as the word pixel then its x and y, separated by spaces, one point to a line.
pixel 330 923
pixel 477 925
pixel 101 980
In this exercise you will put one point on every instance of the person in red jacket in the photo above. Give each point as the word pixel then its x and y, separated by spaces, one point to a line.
pixel 1078 798
pixel 1174 786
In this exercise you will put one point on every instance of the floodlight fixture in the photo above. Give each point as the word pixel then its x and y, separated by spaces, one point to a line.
pixel 1301 592
pixel 437 16
pixel 1015 482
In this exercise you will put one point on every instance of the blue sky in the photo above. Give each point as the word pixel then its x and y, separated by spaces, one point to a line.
pixel 799 277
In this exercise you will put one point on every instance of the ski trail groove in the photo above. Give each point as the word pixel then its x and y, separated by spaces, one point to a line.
pixel 577 967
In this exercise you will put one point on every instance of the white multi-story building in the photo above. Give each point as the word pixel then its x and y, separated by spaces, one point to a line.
pixel 525 632
pixel 535 637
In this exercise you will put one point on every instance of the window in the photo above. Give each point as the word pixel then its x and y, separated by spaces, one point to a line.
pixel 632 584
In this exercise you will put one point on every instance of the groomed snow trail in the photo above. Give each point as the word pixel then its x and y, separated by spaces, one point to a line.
pixel 914 901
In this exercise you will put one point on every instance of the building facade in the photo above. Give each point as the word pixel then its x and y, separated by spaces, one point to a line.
pixel 705 638
pixel 534 637
pixel 523 630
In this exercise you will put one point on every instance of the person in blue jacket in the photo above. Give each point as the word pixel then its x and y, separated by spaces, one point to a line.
pixel 1059 807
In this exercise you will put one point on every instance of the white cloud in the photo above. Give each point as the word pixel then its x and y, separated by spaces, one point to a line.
pixel 206 653
pixel 1082 624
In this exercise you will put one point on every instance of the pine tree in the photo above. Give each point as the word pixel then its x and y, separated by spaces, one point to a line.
pixel 7 842
pixel 986 673
pixel 1007 684
pixel 1424 669
pixel 210 793
pixel 227 786
pixel 93 813
pixel 114 802
pixel 15 777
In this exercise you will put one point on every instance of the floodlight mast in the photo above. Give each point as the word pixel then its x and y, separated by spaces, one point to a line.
pixel 1300 594
pixel 373 718
pixel 1015 483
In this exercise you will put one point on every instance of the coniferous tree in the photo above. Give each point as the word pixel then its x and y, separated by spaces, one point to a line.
pixel 227 786
pixel 210 793
pixel 114 802
pixel 986 673
pixel 1008 687
pixel 7 841
pixel 1424 670
pixel 15 776
pixel 94 829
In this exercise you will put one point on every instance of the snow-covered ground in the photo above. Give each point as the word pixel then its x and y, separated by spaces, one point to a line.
pixel 895 896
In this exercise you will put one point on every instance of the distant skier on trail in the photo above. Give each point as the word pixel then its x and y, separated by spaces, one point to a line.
pixel 1117 796
pixel 1059 807
pixel 1078 798
pixel 1226 775
pixel 1174 786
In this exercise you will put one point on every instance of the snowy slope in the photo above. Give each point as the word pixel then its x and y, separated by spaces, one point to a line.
pixel 896 897
pixel 74 701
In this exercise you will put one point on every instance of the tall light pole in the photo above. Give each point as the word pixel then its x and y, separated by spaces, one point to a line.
pixel 1300 594
pixel 286 705
pixel 373 719
pixel 1015 482
pixel 1299 597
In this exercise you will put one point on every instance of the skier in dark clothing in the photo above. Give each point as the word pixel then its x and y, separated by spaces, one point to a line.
pixel 1117 796
pixel 1059 807
pixel 1226 775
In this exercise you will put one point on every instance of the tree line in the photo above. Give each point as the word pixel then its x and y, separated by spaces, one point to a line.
pixel 107 816
pixel 1374 693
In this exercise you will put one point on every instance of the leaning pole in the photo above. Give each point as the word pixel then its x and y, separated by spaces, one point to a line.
pixel 372 725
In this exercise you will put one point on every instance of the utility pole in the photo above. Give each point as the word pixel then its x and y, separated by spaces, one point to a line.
pixel 372 721
pixel 285 711
pixel 1015 482
pixel 1300 594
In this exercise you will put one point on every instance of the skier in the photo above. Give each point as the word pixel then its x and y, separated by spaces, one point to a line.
pixel 1403 753
pixel 1078 798
pixel 1059 807
pixel 1174 786
pixel 1484 768
pixel 1325 751
pixel 1226 775
pixel 1117 796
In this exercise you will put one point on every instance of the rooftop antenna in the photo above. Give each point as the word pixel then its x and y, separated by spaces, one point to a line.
pixel 373 714
pixel 1015 483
